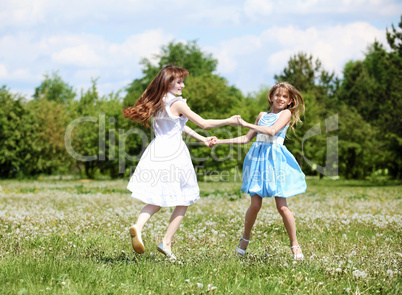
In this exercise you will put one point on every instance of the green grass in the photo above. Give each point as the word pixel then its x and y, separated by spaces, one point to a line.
pixel 71 237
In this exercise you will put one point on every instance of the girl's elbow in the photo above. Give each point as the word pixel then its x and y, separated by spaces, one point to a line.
pixel 205 125
pixel 271 133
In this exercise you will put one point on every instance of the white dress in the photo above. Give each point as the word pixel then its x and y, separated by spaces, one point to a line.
pixel 165 175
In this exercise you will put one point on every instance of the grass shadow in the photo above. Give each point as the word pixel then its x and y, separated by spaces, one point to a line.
pixel 353 183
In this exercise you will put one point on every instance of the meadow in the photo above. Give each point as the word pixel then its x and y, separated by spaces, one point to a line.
pixel 71 237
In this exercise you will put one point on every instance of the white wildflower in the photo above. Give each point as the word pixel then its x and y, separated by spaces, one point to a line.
pixel 359 274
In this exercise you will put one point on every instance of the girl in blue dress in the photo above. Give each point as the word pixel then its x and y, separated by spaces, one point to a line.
pixel 269 169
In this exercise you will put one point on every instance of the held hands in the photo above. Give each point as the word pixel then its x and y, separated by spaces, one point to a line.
pixel 210 141
pixel 234 120
pixel 241 122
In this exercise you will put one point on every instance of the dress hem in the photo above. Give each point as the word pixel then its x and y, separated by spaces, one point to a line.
pixel 292 195
pixel 166 204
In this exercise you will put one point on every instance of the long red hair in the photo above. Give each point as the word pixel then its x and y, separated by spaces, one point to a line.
pixel 151 101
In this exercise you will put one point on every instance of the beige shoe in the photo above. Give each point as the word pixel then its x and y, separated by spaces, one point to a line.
pixel 136 240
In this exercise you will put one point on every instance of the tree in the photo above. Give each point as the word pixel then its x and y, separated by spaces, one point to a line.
pixel 359 146
pixel 373 88
pixel 31 136
pixel 306 74
pixel 301 71
pixel 53 88
pixel 85 135
pixel 47 153
pixel 394 38
pixel 188 56
pixel 13 129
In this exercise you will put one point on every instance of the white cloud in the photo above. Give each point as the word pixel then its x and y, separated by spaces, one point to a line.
pixel 252 57
pixel 204 15
pixel 81 55
pixel 3 71
pixel 252 39
pixel 77 14
pixel 140 45
pixel 77 57
pixel 258 8
pixel 278 60
pixel 20 74
pixel 22 12
pixel 26 13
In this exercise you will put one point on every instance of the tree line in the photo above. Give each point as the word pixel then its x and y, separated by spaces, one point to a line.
pixel 364 107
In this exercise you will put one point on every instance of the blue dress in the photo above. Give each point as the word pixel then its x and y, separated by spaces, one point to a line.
pixel 269 169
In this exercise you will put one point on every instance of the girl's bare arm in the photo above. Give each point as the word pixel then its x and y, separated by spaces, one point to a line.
pixel 241 139
pixel 283 120
pixel 180 108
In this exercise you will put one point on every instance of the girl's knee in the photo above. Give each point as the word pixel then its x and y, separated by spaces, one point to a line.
pixel 151 207
pixel 255 206
pixel 181 209
pixel 282 209
pixel 157 208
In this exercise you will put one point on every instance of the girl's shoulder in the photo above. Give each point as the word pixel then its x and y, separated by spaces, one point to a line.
pixel 285 112
pixel 261 114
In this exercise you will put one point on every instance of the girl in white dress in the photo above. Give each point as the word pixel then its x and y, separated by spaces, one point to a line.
pixel 165 176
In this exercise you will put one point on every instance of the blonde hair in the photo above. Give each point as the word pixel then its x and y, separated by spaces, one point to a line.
pixel 296 107
pixel 151 101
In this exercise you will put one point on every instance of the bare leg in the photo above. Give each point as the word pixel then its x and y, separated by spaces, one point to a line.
pixel 135 230
pixel 289 222
pixel 145 215
pixel 251 215
pixel 175 221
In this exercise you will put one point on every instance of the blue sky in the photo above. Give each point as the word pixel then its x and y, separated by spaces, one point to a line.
pixel 252 39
